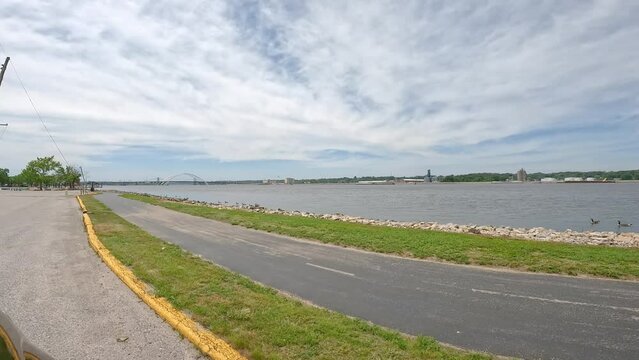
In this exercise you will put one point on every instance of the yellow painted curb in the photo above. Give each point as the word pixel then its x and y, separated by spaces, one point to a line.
pixel 203 339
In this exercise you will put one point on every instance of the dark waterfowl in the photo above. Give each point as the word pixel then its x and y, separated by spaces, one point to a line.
pixel 593 221
pixel 619 223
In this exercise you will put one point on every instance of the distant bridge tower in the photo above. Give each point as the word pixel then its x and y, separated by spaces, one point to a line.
pixel 196 179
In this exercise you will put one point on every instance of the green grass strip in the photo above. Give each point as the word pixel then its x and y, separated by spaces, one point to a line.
pixel 256 320
pixel 526 255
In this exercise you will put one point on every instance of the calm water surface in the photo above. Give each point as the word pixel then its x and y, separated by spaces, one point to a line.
pixel 554 206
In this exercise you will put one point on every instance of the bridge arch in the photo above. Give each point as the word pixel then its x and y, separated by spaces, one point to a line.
pixel 193 176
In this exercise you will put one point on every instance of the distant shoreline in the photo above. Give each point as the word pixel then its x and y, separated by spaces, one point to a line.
pixel 134 183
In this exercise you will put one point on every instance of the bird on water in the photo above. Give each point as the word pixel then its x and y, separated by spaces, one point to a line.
pixel 593 221
pixel 619 223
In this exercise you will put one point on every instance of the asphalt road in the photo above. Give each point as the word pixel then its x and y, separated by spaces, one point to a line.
pixel 507 313
pixel 62 297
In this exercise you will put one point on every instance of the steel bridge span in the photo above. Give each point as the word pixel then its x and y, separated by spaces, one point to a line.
pixel 196 179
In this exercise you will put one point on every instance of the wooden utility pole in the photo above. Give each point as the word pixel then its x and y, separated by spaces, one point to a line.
pixel 4 67
pixel 84 182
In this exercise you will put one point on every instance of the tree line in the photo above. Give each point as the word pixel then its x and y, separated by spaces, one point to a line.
pixel 345 180
pixel 600 175
pixel 43 172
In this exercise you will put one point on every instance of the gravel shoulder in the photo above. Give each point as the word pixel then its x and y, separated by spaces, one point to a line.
pixel 62 297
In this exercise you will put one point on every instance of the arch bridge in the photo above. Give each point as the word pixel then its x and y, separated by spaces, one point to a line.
pixel 196 179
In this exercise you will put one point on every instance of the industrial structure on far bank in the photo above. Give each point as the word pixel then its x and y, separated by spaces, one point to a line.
pixel 522 176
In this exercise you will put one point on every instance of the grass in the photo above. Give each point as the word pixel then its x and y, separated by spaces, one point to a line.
pixel 256 320
pixel 4 351
pixel 525 255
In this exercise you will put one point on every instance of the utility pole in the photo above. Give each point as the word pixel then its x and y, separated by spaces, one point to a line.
pixel 4 67
pixel 84 182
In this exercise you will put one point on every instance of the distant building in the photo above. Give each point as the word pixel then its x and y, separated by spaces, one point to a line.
pixel 521 175
pixel 573 179
pixel 289 181
pixel 548 180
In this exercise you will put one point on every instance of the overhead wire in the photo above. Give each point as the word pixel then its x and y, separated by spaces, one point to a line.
pixel 34 108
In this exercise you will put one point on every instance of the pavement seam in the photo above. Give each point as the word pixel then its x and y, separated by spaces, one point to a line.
pixel 207 342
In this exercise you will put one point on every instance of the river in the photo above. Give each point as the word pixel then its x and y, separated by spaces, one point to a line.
pixel 553 206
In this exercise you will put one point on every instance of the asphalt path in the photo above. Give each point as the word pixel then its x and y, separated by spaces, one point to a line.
pixel 508 313
pixel 60 295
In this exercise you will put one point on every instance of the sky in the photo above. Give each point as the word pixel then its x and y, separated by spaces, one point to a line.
pixel 134 90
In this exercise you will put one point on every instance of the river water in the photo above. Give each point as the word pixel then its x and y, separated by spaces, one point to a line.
pixel 553 206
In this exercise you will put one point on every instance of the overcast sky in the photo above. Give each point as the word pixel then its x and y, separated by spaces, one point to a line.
pixel 246 89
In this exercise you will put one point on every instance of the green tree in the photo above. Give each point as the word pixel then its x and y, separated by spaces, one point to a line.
pixel 17 180
pixel 41 171
pixel 68 176
pixel 4 176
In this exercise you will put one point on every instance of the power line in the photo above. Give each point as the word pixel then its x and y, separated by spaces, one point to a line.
pixel 35 109
pixel 38 114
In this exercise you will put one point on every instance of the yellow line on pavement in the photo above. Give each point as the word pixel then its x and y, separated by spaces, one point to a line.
pixel 203 339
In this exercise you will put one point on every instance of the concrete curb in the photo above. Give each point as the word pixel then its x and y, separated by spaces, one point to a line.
pixel 201 338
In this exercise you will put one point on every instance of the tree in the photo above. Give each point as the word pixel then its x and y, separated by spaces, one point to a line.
pixel 4 176
pixel 41 171
pixel 68 176
pixel 16 180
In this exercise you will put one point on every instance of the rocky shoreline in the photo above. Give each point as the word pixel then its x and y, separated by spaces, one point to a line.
pixel 627 239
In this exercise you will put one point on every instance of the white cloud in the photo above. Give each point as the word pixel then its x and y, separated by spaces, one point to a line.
pixel 286 80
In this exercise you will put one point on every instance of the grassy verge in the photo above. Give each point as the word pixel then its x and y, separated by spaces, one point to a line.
pixel 535 256
pixel 254 319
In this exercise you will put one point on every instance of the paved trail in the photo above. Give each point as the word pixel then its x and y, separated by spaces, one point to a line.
pixel 62 297
pixel 507 313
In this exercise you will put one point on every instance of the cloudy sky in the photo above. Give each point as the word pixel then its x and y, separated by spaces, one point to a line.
pixel 252 89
